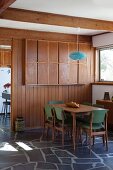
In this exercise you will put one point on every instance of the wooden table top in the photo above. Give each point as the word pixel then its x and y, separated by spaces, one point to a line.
pixel 81 109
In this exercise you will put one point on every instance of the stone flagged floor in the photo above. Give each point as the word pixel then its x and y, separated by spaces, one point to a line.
pixel 44 155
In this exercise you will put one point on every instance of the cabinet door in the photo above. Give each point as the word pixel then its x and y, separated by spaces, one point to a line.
pixel 43 56
pixel 1 58
pixel 63 63
pixel 73 65
pixel 85 64
pixel 53 62
pixel 31 62
pixel 47 62
pixel 5 57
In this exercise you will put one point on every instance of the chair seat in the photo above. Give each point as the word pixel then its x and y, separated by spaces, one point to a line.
pixel 62 122
pixel 95 126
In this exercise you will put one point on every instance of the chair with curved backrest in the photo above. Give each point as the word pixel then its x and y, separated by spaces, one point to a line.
pixel 96 126
pixel 48 120
pixel 61 123
pixel 98 105
pixel 87 103
pixel 81 116
pixel 55 102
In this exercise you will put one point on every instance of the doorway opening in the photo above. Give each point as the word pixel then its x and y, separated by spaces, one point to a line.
pixel 5 87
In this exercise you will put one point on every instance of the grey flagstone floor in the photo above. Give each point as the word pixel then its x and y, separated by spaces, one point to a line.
pixel 42 154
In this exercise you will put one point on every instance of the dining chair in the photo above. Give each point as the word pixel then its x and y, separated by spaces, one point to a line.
pixel 98 105
pixel 87 103
pixel 56 102
pixel 48 121
pixel 84 116
pixel 95 126
pixel 62 123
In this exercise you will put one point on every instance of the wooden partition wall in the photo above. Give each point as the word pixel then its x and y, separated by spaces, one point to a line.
pixel 28 100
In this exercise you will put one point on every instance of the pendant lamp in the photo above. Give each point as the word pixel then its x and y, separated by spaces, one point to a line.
pixel 77 55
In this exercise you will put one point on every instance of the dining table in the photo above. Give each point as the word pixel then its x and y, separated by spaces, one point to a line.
pixel 82 109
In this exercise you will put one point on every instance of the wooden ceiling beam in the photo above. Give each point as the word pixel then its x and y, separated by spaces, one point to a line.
pixel 4 4
pixel 55 19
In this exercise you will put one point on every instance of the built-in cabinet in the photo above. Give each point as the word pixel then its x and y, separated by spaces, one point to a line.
pixel 5 58
pixel 35 53
pixel 48 63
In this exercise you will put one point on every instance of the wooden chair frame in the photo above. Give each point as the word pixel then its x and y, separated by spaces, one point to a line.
pixel 48 124
pixel 91 133
pixel 61 126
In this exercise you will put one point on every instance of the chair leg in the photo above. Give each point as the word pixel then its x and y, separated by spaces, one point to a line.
pixel 53 134
pixel 106 139
pixel 90 144
pixel 103 137
pixel 63 138
pixel 86 138
pixel 47 131
pixel 80 135
pixel 93 140
pixel 77 132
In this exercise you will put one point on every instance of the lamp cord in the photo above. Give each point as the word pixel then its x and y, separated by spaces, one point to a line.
pixel 77 43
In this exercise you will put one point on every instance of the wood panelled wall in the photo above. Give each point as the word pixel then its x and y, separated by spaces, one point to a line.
pixel 28 100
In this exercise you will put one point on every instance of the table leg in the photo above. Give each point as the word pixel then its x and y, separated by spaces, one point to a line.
pixel 74 129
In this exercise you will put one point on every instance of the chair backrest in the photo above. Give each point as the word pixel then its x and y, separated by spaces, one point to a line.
pixel 99 116
pixel 56 102
pixel 48 111
pixel 87 103
pixel 98 105
pixel 58 113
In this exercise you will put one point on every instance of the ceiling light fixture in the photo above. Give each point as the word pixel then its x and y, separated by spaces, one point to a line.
pixel 77 55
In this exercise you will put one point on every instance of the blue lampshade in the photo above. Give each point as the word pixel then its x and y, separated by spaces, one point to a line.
pixel 77 55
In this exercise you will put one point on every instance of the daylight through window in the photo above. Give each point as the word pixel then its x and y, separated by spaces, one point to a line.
pixel 106 64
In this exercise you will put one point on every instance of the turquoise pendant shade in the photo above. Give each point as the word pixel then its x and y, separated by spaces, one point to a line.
pixel 77 55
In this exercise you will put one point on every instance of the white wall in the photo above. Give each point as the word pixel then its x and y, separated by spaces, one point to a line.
pixel 102 40
pixel 98 92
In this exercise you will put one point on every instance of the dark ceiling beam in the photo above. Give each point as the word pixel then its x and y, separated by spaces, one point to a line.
pixel 55 19
pixel 4 4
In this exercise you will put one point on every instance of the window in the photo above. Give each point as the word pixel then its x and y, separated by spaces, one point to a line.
pixel 106 64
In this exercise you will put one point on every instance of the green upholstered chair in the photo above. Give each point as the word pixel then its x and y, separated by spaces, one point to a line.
pixel 62 123
pixel 56 102
pixel 98 105
pixel 96 125
pixel 83 117
pixel 48 120
pixel 87 103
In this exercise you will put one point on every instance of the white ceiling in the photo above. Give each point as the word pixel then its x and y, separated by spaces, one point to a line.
pixel 96 9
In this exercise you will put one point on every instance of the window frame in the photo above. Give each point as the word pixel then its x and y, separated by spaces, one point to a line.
pixel 100 49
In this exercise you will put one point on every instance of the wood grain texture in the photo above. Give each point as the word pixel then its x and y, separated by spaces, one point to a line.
pixel 56 19
pixel 8 33
pixel 31 62
pixel 5 58
pixel 29 100
pixel 4 4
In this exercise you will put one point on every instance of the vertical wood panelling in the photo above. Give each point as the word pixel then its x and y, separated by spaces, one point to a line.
pixel 29 100
pixel 19 77
pixel 14 81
